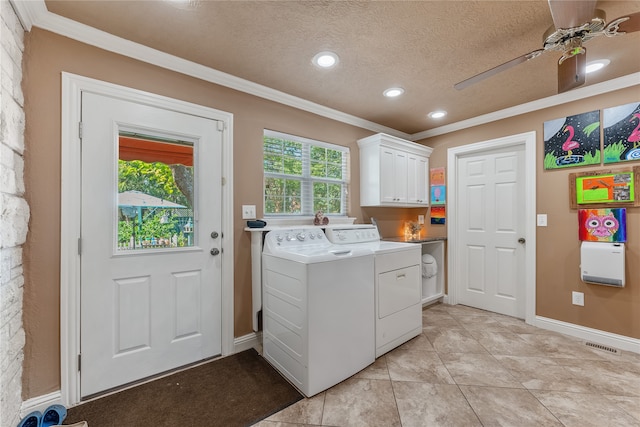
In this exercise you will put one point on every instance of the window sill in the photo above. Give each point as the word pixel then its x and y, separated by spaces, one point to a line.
pixel 304 221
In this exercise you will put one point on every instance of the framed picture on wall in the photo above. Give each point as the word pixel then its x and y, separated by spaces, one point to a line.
pixel 621 133
pixel 572 141
pixel 606 188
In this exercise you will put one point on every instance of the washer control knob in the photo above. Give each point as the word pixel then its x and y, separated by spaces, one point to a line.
pixel 279 238
pixel 301 236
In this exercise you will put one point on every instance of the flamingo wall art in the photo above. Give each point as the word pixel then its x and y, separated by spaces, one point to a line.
pixel 572 141
pixel 621 133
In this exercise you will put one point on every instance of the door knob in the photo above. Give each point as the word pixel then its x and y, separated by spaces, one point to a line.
pixel 521 240
pixel 215 251
pixel 214 234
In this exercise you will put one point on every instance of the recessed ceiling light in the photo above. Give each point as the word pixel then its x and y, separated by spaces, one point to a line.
pixel 437 114
pixel 597 65
pixel 392 92
pixel 325 59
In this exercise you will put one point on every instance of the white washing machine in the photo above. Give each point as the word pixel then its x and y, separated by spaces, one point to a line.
pixel 318 308
pixel 398 283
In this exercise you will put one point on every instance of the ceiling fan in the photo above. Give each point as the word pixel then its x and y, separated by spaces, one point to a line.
pixel 574 23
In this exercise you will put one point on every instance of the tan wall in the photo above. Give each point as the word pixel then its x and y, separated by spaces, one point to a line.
pixel 558 249
pixel 47 55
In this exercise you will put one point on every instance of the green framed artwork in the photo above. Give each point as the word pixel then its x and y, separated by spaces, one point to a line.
pixel 605 188
pixel 621 133
pixel 572 141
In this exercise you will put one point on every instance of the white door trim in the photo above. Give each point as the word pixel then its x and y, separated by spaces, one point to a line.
pixel 527 139
pixel 70 210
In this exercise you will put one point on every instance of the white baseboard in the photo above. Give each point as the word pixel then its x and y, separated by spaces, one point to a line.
pixel 40 403
pixel 246 342
pixel 597 336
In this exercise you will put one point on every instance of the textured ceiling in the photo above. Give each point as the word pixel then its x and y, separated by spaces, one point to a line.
pixel 423 46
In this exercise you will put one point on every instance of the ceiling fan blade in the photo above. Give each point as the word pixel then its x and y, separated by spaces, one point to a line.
pixel 624 24
pixel 572 72
pixel 571 13
pixel 495 70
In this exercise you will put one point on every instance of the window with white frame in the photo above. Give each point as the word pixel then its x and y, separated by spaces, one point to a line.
pixel 303 176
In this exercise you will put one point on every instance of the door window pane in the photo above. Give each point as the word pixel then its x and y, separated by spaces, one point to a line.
pixel 155 193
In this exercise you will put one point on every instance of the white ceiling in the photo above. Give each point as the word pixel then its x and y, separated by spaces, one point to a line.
pixel 423 46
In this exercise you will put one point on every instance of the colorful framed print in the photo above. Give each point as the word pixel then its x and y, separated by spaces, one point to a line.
pixel 436 176
pixel 438 215
pixel 572 141
pixel 621 133
pixel 438 195
pixel 609 188
pixel 602 225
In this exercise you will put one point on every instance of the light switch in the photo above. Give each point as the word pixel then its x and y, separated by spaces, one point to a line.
pixel 420 219
pixel 542 220
pixel 248 211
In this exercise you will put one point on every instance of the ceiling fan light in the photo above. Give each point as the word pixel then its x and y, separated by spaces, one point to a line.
pixel 325 59
pixel 593 66
pixel 392 92
pixel 437 114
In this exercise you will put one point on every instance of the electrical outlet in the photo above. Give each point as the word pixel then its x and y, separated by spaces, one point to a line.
pixel 248 211
pixel 420 219
pixel 577 298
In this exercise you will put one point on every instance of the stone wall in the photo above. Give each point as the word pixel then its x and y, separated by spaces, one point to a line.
pixel 14 215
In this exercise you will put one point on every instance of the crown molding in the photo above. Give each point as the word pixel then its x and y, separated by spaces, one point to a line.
pixel 40 17
pixel 29 11
pixel 551 101
pixel 34 13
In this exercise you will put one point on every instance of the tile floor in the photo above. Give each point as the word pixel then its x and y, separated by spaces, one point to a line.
pixel 476 368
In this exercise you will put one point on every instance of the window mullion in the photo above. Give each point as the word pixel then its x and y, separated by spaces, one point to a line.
pixel 307 187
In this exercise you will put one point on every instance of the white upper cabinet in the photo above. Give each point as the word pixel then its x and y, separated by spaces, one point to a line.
pixel 393 172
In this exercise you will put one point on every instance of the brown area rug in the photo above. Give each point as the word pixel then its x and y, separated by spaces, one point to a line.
pixel 238 390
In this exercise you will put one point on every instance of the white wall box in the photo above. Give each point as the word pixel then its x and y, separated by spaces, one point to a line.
pixel 393 172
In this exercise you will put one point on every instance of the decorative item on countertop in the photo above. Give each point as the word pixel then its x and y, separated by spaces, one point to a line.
pixel 412 230
pixel 256 223
pixel 320 219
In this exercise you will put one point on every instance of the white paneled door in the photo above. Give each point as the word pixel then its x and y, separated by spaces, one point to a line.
pixel 150 267
pixel 491 215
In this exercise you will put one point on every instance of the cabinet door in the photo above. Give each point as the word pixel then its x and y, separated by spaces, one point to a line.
pixel 417 174
pixel 387 175
pixel 422 180
pixel 412 179
pixel 400 177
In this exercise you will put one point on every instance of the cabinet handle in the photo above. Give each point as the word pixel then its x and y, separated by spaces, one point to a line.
pixel 400 276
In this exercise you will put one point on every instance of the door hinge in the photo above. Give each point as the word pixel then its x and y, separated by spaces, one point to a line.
pixel 79 246
pixel 220 125
pixel 79 361
pixel 80 130
pixel 224 180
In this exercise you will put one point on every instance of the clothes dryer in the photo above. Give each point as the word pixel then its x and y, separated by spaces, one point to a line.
pixel 398 283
